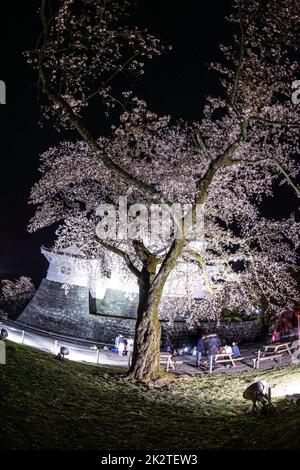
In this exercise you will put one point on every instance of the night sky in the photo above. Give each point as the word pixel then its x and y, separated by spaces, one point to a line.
pixel 174 84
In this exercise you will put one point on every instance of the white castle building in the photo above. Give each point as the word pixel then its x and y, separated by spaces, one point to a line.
pixel 98 305
pixel 73 268
pixel 94 305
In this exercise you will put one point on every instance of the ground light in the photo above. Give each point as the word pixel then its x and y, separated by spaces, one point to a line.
pixel 3 333
pixel 63 352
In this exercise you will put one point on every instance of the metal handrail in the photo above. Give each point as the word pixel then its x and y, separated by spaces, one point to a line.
pixel 57 335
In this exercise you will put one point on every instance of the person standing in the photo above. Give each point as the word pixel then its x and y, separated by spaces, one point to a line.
pixel 199 350
pixel 129 350
pixel 117 339
pixel 212 345
pixel 121 346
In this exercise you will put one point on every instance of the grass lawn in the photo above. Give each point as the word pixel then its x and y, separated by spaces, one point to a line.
pixel 47 404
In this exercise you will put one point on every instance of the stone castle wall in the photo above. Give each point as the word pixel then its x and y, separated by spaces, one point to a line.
pixel 241 332
pixel 52 309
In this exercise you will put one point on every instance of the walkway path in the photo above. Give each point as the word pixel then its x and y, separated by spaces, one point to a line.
pixel 80 351
pixel 89 352
pixel 188 365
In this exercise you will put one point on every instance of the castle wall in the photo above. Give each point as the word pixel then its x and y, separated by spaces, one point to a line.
pixel 67 313
pixel 241 332
pixel 52 309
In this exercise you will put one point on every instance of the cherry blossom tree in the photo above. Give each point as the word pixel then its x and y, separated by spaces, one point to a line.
pixel 219 169
pixel 14 295
pixel 20 286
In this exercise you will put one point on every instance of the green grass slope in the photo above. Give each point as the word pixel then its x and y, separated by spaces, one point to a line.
pixel 47 404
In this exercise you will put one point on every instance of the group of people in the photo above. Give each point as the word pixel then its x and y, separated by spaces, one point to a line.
pixel 124 346
pixel 285 327
pixel 211 344
pixel 208 345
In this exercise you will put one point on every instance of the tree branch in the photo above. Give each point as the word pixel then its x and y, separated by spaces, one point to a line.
pixel 178 245
pixel 240 61
pixel 271 122
pixel 149 260
pixel 273 162
pixel 201 143
pixel 76 121
pixel 122 254
pixel 194 254
pixel 221 161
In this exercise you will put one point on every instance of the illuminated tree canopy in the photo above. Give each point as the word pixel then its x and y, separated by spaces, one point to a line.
pixel 219 169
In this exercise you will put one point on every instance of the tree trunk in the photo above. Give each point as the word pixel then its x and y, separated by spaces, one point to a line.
pixel 146 354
